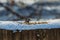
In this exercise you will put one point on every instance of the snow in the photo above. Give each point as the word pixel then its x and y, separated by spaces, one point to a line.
pixel 3 1
pixel 54 21
pixel 2 8
pixel 28 2
pixel 15 25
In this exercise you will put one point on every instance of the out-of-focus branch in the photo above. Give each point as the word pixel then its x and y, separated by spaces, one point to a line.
pixel 13 12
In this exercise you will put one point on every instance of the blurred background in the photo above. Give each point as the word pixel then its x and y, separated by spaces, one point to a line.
pixel 30 10
pixel 35 10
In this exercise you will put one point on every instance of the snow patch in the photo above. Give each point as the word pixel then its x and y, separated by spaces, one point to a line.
pixel 15 25
pixel 55 21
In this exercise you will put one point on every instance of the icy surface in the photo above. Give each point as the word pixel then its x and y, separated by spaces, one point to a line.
pixel 15 25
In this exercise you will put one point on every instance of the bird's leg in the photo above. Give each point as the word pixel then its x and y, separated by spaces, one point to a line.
pixel 27 21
